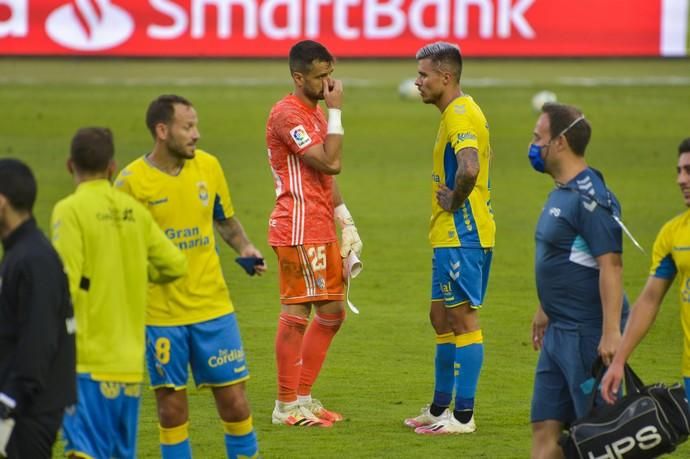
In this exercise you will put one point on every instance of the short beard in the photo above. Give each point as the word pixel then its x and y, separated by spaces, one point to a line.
pixel 314 96
pixel 177 151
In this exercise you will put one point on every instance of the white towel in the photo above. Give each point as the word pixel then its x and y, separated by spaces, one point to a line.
pixel 352 266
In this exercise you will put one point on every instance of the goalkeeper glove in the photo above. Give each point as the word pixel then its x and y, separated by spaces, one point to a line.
pixel 350 241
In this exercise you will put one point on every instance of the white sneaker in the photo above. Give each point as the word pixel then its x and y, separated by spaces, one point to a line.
pixel 318 410
pixel 291 414
pixel 425 418
pixel 447 426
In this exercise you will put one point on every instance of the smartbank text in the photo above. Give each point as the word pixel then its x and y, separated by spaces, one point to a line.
pixel 286 19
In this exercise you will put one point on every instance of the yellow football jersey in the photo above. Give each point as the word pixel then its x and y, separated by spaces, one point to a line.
pixel 463 125
pixel 185 207
pixel 107 241
pixel 671 256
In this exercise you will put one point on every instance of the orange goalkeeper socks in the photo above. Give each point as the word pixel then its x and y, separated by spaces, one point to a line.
pixel 289 354
pixel 317 340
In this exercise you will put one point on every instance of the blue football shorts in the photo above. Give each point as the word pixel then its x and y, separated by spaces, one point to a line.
pixel 565 363
pixel 460 275
pixel 213 349
pixel 104 422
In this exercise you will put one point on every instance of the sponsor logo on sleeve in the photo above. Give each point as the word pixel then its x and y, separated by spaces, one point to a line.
pixel 466 136
pixel 300 136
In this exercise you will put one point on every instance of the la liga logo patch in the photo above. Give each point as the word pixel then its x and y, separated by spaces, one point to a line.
pixel 300 136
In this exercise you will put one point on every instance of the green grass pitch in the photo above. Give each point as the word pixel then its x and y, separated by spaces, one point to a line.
pixel 380 369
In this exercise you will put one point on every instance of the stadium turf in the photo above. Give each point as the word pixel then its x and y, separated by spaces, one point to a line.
pixel 380 369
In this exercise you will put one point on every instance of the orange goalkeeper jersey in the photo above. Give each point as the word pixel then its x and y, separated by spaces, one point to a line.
pixel 303 212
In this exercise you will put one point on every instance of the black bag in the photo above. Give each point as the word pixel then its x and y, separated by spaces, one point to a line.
pixel 648 422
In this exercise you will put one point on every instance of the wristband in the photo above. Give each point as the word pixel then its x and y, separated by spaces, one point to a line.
pixel 342 216
pixel 335 124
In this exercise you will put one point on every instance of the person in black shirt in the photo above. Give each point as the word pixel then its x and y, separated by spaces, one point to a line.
pixel 37 347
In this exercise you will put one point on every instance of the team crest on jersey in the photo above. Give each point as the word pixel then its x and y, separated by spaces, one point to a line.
pixel 203 192
pixel 300 136
pixel 321 283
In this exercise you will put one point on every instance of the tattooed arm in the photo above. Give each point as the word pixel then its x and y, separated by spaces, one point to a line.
pixel 465 179
pixel 233 234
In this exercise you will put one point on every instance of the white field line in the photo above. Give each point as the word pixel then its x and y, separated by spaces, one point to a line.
pixel 581 81
pixel 164 81
pixel 351 82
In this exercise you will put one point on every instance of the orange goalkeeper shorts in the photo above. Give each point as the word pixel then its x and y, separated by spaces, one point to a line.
pixel 310 272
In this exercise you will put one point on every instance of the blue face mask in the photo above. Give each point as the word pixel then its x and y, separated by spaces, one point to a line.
pixel 534 154
pixel 535 158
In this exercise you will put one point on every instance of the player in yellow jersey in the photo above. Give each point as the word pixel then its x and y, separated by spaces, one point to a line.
pixel 191 321
pixel 462 237
pixel 670 257
pixel 110 247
